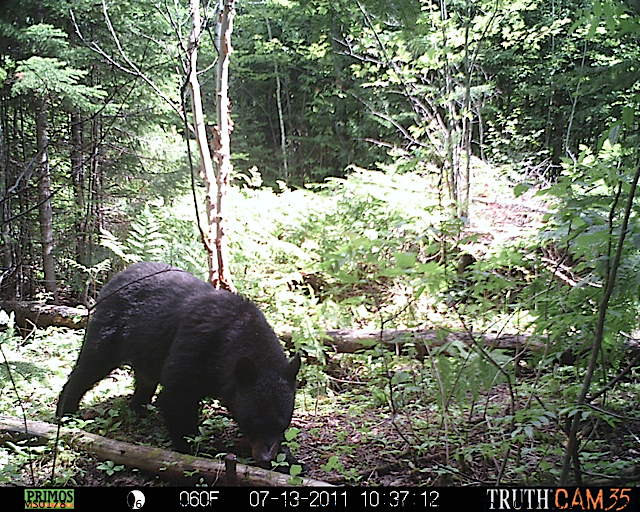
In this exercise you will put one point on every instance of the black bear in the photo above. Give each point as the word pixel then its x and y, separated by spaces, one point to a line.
pixel 172 328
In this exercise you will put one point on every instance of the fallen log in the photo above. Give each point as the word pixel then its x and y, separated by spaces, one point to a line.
pixel 177 468
pixel 352 340
pixel 28 314
pixel 341 340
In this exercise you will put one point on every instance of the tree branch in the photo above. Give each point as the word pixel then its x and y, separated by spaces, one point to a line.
pixel 132 68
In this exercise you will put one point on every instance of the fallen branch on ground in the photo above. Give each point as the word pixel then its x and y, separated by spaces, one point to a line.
pixel 175 467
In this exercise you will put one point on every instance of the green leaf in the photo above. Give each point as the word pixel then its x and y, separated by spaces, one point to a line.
pixel 405 260
pixel 614 133
pixel 628 115
pixel 521 188
pixel 291 433
pixel 331 464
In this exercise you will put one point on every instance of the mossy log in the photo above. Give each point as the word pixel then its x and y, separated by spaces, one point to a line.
pixel 178 468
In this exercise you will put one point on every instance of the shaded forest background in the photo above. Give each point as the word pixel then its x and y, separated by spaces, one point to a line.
pixel 318 88
pixel 465 165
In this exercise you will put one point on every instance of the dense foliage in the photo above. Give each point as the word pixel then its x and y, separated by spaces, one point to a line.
pixel 372 141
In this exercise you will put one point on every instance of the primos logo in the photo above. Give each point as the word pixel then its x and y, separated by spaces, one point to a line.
pixel 48 498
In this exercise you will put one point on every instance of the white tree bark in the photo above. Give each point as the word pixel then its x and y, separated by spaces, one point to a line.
pixel 199 126
pixel 222 145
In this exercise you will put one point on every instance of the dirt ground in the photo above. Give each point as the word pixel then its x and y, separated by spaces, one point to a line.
pixel 370 447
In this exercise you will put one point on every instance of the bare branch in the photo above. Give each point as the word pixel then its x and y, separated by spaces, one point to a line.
pixel 395 123
pixel 131 68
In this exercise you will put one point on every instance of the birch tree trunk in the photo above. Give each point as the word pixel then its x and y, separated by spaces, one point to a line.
pixel 219 275
pixel 222 145
pixel 201 135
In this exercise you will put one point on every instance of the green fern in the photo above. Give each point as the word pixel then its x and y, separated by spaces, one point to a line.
pixel 145 241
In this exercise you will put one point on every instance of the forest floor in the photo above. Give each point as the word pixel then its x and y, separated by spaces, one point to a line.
pixel 376 444
pixel 384 460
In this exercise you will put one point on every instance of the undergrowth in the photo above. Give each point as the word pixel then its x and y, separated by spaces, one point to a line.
pixel 376 250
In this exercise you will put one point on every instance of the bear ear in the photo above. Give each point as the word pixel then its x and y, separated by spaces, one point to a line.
pixel 246 372
pixel 293 367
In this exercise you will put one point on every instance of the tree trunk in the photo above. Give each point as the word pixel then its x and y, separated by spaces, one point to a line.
pixel 78 178
pixel 30 314
pixel 451 161
pixel 467 127
pixel 222 133
pixel 94 187
pixel 81 214
pixel 25 250
pixel 216 243
pixel 283 133
pixel 45 209
pixel 201 135
pixel 351 340
pixel 6 245
pixel 348 341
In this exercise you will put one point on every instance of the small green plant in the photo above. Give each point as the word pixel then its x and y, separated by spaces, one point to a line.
pixel 109 423
pixel 289 436
pixel 90 282
pixel 332 464
pixel 110 467
pixel 295 471
pixel 65 476
pixel 9 473
pixel 201 482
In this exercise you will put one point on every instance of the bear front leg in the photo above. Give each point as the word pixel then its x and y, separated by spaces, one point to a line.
pixel 145 388
pixel 180 414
